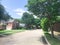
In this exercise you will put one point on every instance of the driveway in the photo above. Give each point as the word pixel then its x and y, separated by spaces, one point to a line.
pixel 32 37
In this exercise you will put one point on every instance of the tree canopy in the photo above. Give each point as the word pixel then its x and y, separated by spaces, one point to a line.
pixel 45 8
pixel 28 19
pixel 3 13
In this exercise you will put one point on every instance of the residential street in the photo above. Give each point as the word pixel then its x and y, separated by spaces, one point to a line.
pixel 32 37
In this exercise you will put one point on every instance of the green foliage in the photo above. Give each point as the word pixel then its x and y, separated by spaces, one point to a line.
pixel 19 20
pixel 2 10
pixel 51 40
pixel 49 9
pixel 58 19
pixel 28 19
pixel 3 14
pixel 9 32
pixel 45 8
pixel 37 23
pixel 45 24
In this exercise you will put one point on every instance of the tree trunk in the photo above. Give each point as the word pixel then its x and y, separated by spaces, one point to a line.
pixel 52 33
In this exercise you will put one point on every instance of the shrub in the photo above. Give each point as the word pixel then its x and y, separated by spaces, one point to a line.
pixel 45 24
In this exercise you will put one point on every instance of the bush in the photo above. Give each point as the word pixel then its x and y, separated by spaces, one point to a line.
pixel 45 24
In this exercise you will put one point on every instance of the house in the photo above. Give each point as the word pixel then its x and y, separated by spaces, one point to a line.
pixel 56 27
pixel 12 24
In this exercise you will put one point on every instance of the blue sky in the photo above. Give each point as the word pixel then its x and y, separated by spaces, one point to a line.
pixel 15 7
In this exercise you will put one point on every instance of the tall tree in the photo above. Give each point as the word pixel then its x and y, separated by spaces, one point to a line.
pixel 45 8
pixel 6 17
pixel 3 14
pixel 2 10
pixel 37 23
pixel 28 19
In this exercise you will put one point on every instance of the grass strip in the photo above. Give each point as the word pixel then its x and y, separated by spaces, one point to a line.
pixel 51 40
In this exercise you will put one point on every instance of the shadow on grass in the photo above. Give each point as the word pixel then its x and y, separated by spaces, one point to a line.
pixel 51 40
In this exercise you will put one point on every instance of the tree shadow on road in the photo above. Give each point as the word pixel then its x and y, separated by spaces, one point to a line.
pixel 4 34
pixel 43 40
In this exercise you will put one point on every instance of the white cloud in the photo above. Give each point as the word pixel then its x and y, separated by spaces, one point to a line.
pixel 19 11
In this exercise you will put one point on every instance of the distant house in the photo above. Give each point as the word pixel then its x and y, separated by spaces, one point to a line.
pixel 56 27
pixel 12 24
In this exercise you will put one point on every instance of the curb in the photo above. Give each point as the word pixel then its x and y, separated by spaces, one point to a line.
pixel 46 40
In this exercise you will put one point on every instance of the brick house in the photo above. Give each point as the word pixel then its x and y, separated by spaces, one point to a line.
pixel 56 27
pixel 12 24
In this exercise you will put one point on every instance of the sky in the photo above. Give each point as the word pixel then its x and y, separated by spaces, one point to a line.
pixel 15 8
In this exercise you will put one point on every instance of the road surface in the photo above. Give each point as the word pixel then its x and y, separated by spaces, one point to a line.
pixel 32 37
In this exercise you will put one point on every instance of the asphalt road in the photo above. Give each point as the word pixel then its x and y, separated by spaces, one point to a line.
pixel 32 37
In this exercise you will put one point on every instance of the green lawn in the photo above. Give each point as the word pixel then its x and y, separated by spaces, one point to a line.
pixel 8 32
pixel 52 41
